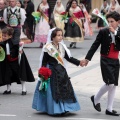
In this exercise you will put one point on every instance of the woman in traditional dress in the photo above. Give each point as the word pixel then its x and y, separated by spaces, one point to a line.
pixel 59 97
pixel 87 21
pixel 74 26
pixel 104 10
pixel 58 9
pixel 42 27
pixel 114 6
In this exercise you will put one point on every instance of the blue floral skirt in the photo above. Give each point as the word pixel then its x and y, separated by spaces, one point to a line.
pixel 44 102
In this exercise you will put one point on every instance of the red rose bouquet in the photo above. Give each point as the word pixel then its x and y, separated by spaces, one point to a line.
pixel 64 15
pixel 44 73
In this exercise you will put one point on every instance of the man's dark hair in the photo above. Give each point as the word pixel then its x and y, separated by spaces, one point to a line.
pixel 115 15
pixel 54 33
pixel 8 30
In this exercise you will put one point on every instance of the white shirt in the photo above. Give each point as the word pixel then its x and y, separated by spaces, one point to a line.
pixel 22 12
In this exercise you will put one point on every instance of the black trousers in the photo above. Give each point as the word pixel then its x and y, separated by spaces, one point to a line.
pixel 110 70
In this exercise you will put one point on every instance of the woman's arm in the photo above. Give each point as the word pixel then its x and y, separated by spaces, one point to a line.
pixel 72 59
pixel 45 59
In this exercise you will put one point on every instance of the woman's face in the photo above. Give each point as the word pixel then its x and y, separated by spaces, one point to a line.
pixel 58 3
pixel 18 4
pixel 105 3
pixel 113 2
pixel 58 38
pixel 44 1
pixel 74 4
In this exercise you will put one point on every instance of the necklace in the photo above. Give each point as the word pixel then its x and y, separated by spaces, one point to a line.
pixel 56 46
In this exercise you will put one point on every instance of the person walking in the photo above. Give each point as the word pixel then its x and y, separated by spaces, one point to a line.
pixel 40 31
pixel 74 27
pixel 59 96
pixel 109 39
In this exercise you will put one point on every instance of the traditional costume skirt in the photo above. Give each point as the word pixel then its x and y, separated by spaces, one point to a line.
pixel 73 32
pixel 59 96
pixel 41 31
pixel 110 70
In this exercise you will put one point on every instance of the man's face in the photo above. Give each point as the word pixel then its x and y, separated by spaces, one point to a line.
pixel 12 3
pixel 26 0
pixel 2 5
pixel 112 23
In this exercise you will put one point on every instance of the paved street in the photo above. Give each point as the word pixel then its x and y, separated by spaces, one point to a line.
pixel 86 81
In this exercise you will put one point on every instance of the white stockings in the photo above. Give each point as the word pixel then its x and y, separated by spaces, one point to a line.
pixel 111 94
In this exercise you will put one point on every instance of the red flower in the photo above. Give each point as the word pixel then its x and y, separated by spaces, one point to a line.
pixel 44 73
pixel 63 13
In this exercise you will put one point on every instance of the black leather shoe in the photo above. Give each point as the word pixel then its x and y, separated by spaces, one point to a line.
pixel 24 92
pixel 71 45
pixel 111 113
pixel 114 111
pixel 7 92
pixel 97 106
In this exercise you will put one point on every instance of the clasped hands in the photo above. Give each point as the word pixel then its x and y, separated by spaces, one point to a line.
pixel 84 62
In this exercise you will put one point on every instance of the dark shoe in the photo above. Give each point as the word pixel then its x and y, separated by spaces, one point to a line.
pixel 74 45
pixel 111 113
pixel 97 106
pixel 64 113
pixel 114 111
pixel 6 92
pixel 24 92
pixel 71 45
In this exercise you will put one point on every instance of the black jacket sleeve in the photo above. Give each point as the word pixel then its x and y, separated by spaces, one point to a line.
pixel 72 59
pixel 94 46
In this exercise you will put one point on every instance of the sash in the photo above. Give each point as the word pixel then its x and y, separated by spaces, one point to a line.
pixel 44 16
pixel 78 23
pixel 76 20
pixel 54 53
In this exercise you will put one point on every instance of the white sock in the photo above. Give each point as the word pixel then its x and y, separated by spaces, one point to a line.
pixel 8 87
pixel 100 93
pixel 23 86
pixel 111 95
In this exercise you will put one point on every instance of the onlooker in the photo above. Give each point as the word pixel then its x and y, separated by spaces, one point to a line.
pixel 2 6
pixel 29 23
pixel 14 17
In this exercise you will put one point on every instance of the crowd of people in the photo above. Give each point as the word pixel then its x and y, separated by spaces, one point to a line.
pixel 77 19
pixel 105 9
pixel 54 93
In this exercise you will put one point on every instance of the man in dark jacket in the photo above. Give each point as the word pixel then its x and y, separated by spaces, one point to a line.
pixel 29 7
pixel 109 39
pixel 2 6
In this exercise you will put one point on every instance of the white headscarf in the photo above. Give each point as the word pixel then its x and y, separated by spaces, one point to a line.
pixel 61 8
pixel 117 6
pixel 106 8
pixel 49 41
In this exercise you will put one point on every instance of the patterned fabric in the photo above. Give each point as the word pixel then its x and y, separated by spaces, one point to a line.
pixel 60 84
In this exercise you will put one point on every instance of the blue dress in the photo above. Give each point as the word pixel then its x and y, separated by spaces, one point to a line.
pixel 45 103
